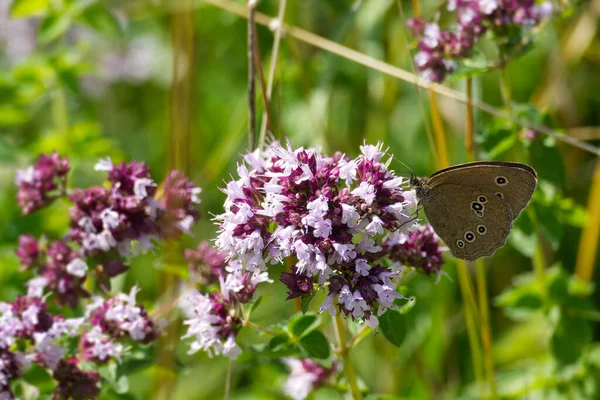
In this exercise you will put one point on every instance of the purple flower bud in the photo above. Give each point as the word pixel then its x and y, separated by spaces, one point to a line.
pixel 206 264
pixel 419 249
pixel 73 382
pixel 178 202
pixel 299 285
pixel 42 183
pixel 28 251
pixel 10 367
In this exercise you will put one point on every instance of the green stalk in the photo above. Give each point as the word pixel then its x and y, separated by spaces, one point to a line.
pixel 484 327
pixel 60 111
pixel 470 311
pixel 346 362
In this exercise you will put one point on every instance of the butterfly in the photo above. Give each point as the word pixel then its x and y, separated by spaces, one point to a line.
pixel 472 206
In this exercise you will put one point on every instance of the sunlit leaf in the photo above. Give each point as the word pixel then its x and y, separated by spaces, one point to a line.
pixel 28 8
pixel 101 19
pixel 53 26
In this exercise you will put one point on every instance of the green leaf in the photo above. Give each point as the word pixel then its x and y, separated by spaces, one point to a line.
pixel 548 162
pixel 316 345
pixel 304 303
pixel 53 26
pixel 302 324
pixel 523 237
pixel 255 304
pixel 570 338
pixel 28 8
pixel 558 287
pixel 393 326
pixel 279 341
pixel 99 17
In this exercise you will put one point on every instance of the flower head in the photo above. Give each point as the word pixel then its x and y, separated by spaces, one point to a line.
pixel 42 183
pixel 305 376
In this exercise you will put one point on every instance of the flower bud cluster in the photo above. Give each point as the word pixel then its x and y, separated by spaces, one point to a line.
pixel 440 50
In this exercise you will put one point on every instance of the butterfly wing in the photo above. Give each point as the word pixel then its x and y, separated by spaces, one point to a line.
pixel 470 232
pixel 512 182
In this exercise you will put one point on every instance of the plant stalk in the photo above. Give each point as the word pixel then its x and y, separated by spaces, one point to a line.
pixel 588 244
pixel 346 362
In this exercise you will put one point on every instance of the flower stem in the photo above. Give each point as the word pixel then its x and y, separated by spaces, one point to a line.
pixel 586 255
pixel 470 311
pixel 259 328
pixel 272 69
pixel 346 363
pixel 251 76
pixel 60 112
pixel 228 379
pixel 484 327
pixel 438 131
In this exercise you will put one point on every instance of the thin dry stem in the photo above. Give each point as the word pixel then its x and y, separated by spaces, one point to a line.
pixel 588 244
pixel 396 72
pixel 272 69
pixel 251 13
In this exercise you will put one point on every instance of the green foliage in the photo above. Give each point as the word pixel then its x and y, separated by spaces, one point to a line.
pixel 67 96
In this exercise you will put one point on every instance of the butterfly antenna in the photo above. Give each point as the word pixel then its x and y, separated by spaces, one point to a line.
pixel 401 163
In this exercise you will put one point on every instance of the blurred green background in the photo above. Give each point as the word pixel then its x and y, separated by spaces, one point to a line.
pixel 166 83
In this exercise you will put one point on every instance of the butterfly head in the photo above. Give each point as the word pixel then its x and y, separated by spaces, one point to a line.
pixel 420 186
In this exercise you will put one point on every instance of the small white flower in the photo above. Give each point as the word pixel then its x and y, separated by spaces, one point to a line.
pixel 366 192
pixel 371 152
pixel 362 267
pixel 431 35
pixel 350 216
pixel 488 6
pixel 25 175
pixel 343 252
pixel 368 245
pixel 77 267
pixel 185 225
pixel 195 192
pixel 104 165
pixel 375 226
pixel 318 207
pixel 110 219
pixel 393 183
pixel 231 348
pixel 421 59
pixel 347 170
pixel 35 286
pixel 140 187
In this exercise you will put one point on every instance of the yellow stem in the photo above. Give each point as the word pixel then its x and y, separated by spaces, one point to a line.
pixel 484 327
pixel 346 362
pixel 588 244
pixel 439 132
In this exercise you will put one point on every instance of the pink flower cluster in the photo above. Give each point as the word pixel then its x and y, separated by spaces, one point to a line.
pixel 41 184
pixel 213 320
pixel 332 215
pixel 305 376
pixel 29 333
pixel 107 223
pixel 440 50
